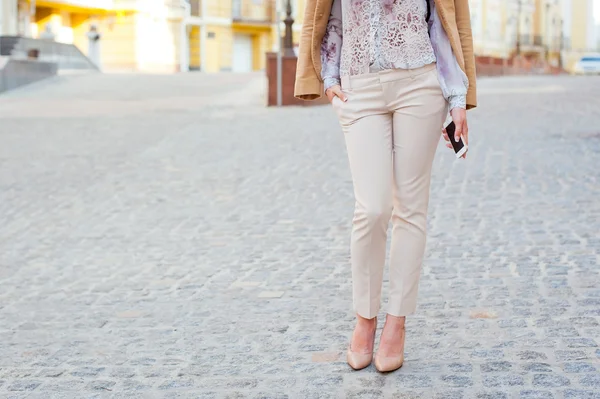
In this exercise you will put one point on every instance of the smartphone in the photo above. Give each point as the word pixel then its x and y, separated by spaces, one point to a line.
pixel 460 148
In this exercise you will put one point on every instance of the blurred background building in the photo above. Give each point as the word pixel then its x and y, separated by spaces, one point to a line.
pixel 540 34
pixel 154 35
pixel 235 35
pixel 136 35
pixel 230 35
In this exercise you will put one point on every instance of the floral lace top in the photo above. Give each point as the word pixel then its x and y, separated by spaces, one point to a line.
pixel 366 36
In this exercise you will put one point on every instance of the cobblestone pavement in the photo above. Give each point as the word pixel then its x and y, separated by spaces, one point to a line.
pixel 169 237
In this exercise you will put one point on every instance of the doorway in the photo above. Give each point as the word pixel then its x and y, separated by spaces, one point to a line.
pixel 242 53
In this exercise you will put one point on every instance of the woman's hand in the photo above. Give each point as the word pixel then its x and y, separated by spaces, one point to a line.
pixel 459 117
pixel 335 91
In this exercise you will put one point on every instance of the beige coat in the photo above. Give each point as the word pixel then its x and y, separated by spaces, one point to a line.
pixel 456 20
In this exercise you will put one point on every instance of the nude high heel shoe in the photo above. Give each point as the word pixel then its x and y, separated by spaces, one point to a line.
pixel 359 361
pixel 392 363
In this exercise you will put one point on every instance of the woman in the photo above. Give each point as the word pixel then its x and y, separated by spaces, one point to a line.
pixel 392 70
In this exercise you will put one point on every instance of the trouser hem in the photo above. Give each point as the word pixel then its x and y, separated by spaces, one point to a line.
pixel 370 314
pixel 401 312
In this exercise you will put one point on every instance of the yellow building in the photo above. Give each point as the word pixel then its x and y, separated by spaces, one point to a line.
pixel 553 31
pixel 136 35
pixel 164 35
pixel 230 35
pixel 548 26
pixel 167 35
pixel 582 29
pixel 502 26
pixel 579 31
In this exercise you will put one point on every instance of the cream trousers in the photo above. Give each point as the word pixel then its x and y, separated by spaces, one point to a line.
pixel 392 125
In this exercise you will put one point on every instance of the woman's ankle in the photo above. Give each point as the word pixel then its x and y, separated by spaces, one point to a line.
pixel 366 322
pixel 395 321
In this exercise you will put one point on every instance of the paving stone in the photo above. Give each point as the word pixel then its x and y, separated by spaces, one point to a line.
pixel 581 394
pixel 589 302
pixel 537 367
pixel 531 355
pixel 550 380
pixel 18 373
pixel 495 366
pixel 412 381
pixel 561 332
pixel 50 373
pixel 232 395
pixel 131 395
pixel 487 354
pixel 135 385
pixel 177 384
pixel 583 321
pixel 512 323
pixel 570 355
pixel 64 385
pixel 590 380
pixel 508 380
pixel 87 371
pixel 457 380
pixel 454 394
pixel 460 367
pixel 23 385
pixel 578 367
pixel 122 372
pixel 22 395
pixel 364 393
pixel 491 395
pixel 404 394
pixel 101 385
pixel 580 342
pixel 271 395
pixel 535 394
pixel 422 367
pixel 316 393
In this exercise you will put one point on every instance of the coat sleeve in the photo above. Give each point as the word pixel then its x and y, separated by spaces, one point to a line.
pixel 463 23
pixel 308 84
pixel 331 48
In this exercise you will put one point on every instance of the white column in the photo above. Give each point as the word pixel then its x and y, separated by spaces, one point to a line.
pixel 203 34
pixel 597 23
pixel 591 26
pixel 184 40
pixel 1 17
pixel 279 60
pixel 567 12
pixel 9 17
pixel 31 16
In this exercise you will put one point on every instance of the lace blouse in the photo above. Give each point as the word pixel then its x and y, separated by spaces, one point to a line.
pixel 366 36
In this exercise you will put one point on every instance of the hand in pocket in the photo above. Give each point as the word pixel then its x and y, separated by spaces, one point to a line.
pixel 335 91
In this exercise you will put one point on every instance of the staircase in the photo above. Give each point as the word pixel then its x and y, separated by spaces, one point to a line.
pixel 25 60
